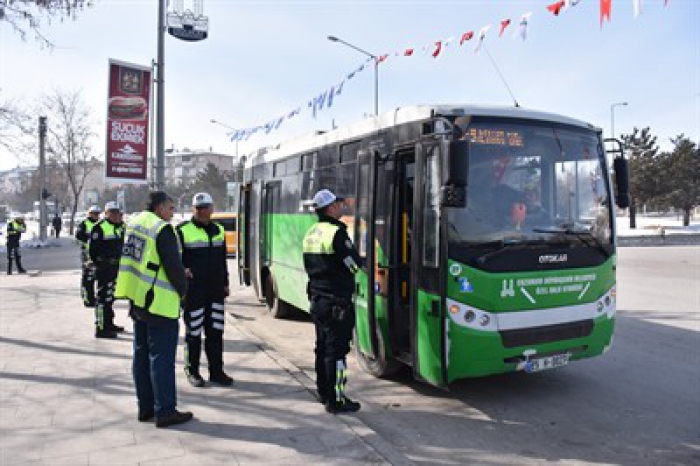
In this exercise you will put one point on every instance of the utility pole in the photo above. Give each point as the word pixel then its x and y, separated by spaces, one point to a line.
pixel 42 178
pixel 160 109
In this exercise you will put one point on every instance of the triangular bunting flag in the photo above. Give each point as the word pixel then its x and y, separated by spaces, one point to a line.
pixel 523 26
pixel 482 36
pixel 466 36
pixel 504 24
pixel 437 50
pixel 556 8
pixel 605 11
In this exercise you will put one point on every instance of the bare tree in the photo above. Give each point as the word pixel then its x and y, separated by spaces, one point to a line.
pixel 69 140
pixel 28 15
pixel 17 129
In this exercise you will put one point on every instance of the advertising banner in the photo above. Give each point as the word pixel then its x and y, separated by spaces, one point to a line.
pixel 128 109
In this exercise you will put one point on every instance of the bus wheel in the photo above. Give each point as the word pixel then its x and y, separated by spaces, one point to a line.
pixel 381 366
pixel 278 309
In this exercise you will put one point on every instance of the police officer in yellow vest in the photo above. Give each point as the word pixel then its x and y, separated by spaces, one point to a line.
pixel 152 278
pixel 87 283
pixel 204 258
pixel 105 247
pixel 14 232
pixel 330 260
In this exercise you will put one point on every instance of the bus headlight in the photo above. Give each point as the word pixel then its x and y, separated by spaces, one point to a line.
pixel 469 316
pixel 484 321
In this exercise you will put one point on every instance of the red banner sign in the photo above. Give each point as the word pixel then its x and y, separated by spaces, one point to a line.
pixel 128 109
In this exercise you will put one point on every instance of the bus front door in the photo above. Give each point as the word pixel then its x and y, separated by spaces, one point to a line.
pixel 427 318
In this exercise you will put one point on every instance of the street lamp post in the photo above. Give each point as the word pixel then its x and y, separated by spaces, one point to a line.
pixel 612 116
pixel 376 69
pixel 160 99
pixel 216 122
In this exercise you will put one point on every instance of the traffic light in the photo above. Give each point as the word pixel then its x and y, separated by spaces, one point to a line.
pixel 45 194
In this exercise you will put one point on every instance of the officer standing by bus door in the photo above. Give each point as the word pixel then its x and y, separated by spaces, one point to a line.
pixel 106 244
pixel 204 258
pixel 87 282
pixel 14 232
pixel 330 260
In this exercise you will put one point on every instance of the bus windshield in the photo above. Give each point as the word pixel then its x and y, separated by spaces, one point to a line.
pixel 533 183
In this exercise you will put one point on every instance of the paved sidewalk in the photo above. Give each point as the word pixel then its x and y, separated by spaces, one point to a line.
pixel 68 398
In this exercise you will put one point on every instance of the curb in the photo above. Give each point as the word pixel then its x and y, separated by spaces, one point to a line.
pixel 362 431
pixel 691 239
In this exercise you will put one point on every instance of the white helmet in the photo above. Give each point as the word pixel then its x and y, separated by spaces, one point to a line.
pixel 112 205
pixel 202 199
pixel 94 209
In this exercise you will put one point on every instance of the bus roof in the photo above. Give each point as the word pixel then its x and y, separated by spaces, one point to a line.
pixel 398 116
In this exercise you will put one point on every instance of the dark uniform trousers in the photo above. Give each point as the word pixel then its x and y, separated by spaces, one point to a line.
pixel 14 254
pixel 204 313
pixel 334 320
pixel 87 283
pixel 106 281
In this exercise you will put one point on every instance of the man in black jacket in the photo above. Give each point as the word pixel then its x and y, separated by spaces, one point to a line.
pixel 106 243
pixel 204 258
pixel 87 283
pixel 155 336
pixel 330 260
pixel 14 232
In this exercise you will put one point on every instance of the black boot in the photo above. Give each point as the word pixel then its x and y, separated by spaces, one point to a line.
pixel 195 379
pixel 105 333
pixel 221 378
pixel 345 406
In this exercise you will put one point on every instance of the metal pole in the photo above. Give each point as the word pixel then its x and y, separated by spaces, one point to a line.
pixel 42 178
pixel 612 121
pixel 376 87
pixel 160 118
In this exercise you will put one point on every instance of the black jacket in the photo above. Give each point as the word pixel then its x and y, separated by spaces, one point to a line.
pixel 208 265
pixel 103 250
pixel 168 251
pixel 333 274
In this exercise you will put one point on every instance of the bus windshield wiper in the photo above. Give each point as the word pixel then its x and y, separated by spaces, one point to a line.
pixel 505 245
pixel 580 234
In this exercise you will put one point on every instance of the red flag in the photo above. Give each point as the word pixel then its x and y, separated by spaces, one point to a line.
pixel 466 36
pixel 605 10
pixel 504 24
pixel 382 58
pixel 555 8
pixel 408 52
pixel 438 49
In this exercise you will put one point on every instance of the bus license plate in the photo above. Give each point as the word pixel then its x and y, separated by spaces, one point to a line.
pixel 543 364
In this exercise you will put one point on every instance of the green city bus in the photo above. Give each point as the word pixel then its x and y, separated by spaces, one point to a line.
pixel 487 235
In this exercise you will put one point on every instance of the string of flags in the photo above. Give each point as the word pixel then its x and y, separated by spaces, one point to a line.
pixel 434 49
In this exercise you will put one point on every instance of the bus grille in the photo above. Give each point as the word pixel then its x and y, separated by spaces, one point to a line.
pixel 546 334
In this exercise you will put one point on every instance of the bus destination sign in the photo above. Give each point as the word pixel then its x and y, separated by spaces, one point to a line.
pixel 496 137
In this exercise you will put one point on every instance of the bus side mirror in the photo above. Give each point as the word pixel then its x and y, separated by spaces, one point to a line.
pixel 456 172
pixel 622 181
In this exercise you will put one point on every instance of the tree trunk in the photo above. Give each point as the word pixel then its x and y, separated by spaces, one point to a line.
pixel 686 217
pixel 73 211
pixel 633 214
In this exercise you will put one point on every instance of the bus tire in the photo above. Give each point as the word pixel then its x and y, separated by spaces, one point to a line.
pixel 380 367
pixel 278 309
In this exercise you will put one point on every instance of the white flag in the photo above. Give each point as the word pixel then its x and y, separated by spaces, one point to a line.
pixel 522 26
pixel 637 8
pixel 482 36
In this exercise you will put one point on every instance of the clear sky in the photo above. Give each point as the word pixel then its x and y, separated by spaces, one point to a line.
pixel 265 58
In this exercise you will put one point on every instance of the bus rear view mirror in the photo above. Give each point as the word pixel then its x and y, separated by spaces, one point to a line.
pixel 456 170
pixel 622 181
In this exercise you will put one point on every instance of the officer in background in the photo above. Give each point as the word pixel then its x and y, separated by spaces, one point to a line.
pixel 204 258
pixel 87 284
pixel 152 278
pixel 106 242
pixel 14 232
pixel 330 260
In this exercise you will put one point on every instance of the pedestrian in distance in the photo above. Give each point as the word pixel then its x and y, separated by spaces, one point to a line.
pixel 331 261
pixel 105 247
pixel 204 258
pixel 14 233
pixel 83 233
pixel 57 224
pixel 152 278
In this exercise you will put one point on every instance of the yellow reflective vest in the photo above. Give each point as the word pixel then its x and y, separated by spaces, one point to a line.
pixel 141 277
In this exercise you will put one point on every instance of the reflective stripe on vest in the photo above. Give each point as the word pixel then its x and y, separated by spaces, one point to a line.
pixel 319 238
pixel 89 225
pixel 195 237
pixel 142 278
pixel 109 230
pixel 17 227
